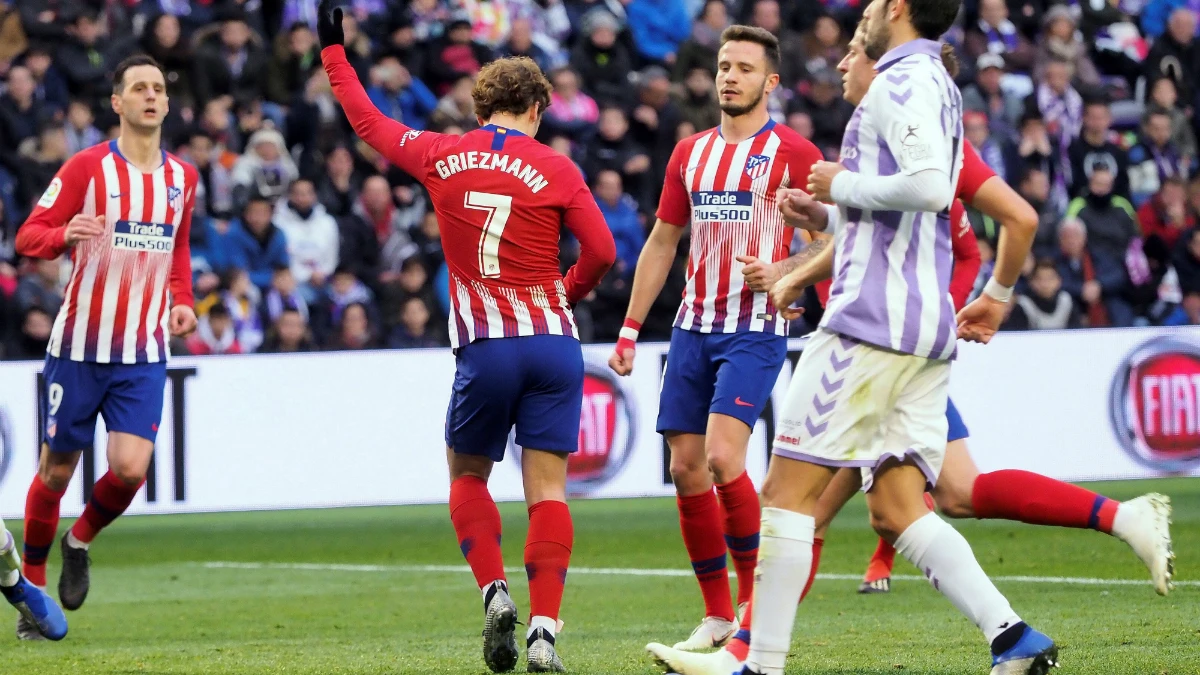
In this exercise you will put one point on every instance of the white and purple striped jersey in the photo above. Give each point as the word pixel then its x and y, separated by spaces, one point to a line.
pixel 892 269
pixel 727 192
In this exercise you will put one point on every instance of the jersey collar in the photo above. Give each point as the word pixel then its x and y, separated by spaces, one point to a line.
pixel 112 145
pixel 919 46
pixel 766 127
pixel 503 130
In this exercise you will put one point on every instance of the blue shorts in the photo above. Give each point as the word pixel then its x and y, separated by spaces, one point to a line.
pixel 958 428
pixel 128 395
pixel 727 373
pixel 534 382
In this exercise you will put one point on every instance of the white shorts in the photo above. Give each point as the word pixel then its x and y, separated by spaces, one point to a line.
pixel 854 405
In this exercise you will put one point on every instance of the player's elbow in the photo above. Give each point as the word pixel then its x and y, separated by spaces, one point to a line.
pixel 1024 221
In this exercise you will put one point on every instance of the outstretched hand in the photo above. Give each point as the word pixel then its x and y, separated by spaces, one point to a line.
pixel 329 25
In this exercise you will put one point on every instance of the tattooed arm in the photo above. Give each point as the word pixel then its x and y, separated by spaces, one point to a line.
pixel 816 260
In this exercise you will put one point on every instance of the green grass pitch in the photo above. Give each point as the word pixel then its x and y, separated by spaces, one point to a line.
pixel 353 597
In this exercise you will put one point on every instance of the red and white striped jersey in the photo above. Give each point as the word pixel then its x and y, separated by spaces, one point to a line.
pixel 124 282
pixel 502 200
pixel 727 192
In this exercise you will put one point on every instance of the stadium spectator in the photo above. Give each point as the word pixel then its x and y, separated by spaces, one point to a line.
pixel 244 302
pixel 985 95
pixel 824 46
pixel 414 329
pixel 658 27
pixel 1155 158
pixel 337 188
pixel 398 94
pixel 86 57
pixel 993 149
pixel 344 290
pixel 454 56
pixel 50 86
pixel 520 43
pixel 1110 218
pixel 1096 16
pixel 697 100
pixel 354 330
pixel 1157 16
pixel 412 280
pixel 1187 313
pixel 456 108
pixel 214 334
pixel 31 340
pixel 1089 275
pixel 1037 151
pixel 389 225
pixel 571 112
pixel 830 113
pixel 700 50
pixel 994 33
pixel 289 333
pixel 43 288
pixel 312 237
pixel 1096 146
pixel 1061 40
pixel 232 65
pixel 294 55
pixel 265 168
pixel 358 45
pixel 655 118
pixel 1166 216
pixel 602 63
pixel 40 159
pixel 1175 53
pixel 428 240
pixel 1186 261
pixel 614 149
pixel 1034 186
pixel 81 128
pixel 214 192
pixel 766 14
pixel 256 244
pixel 164 40
pixel 20 111
pixel 1060 104
pixel 1045 305
pixel 1163 94
pixel 282 296
pixel 621 215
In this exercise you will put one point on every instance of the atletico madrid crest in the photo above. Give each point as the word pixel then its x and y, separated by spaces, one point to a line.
pixel 175 197
pixel 757 166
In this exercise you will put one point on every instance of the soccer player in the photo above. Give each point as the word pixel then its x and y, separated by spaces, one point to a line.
pixel 870 390
pixel 34 606
pixel 728 343
pixel 1145 529
pixel 123 209
pixel 502 199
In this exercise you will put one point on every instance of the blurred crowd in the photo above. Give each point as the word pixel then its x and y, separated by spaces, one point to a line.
pixel 306 239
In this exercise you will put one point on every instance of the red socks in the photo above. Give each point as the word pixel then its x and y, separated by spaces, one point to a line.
pixel 739 646
pixel 739 504
pixel 547 555
pixel 1038 500
pixel 110 497
pixel 41 524
pixel 700 521
pixel 477 523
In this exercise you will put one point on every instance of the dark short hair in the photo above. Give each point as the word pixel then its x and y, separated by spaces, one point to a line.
pixel 932 18
pixel 118 79
pixel 510 85
pixel 1044 264
pixel 1155 111
pixel 759 36
pixel 217 310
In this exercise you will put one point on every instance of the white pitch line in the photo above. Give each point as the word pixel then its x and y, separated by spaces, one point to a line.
pixel 646 572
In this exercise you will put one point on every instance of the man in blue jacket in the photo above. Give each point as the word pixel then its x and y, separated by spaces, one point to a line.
pixel 255 244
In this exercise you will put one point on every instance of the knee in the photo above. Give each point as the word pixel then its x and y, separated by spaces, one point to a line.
pixel 886 525
pixel 129 475
pixel 686 469
pixel 725 461
pixel 56 476
pixel 954 502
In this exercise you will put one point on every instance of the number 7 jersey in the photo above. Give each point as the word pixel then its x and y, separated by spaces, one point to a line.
pixel 501 199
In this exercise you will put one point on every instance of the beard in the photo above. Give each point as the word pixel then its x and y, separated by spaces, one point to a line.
pixel 737 110
pixel 879 35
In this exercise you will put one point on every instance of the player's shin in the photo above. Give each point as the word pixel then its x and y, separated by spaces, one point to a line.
pixel 700 523
pixel 785 559
pixel 547 556
pixel 10 561
pixel 41 524
pixel 478 527
pixel 948 562
pixel 1038 500
pixel 111 496
pixel 739 504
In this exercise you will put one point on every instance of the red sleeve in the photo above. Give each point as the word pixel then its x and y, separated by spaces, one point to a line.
pixel 181 257
pixel 675 207
pixel 41 235
pixel 966 255
pixel 803 154
pixel 973 175
pixel 597 250
pixel 823 288
pixel 407 148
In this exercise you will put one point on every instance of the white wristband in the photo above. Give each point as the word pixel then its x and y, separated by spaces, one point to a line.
pixel 997 291
pixel 628 333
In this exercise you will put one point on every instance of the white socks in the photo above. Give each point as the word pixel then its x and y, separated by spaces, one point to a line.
pixel 1124 522
pixel 946 558
pixel 544 622
pixel 75 543
pixel 784 562
pixel 10 560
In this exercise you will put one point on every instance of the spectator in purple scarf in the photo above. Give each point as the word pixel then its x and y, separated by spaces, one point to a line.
pixel 995 34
